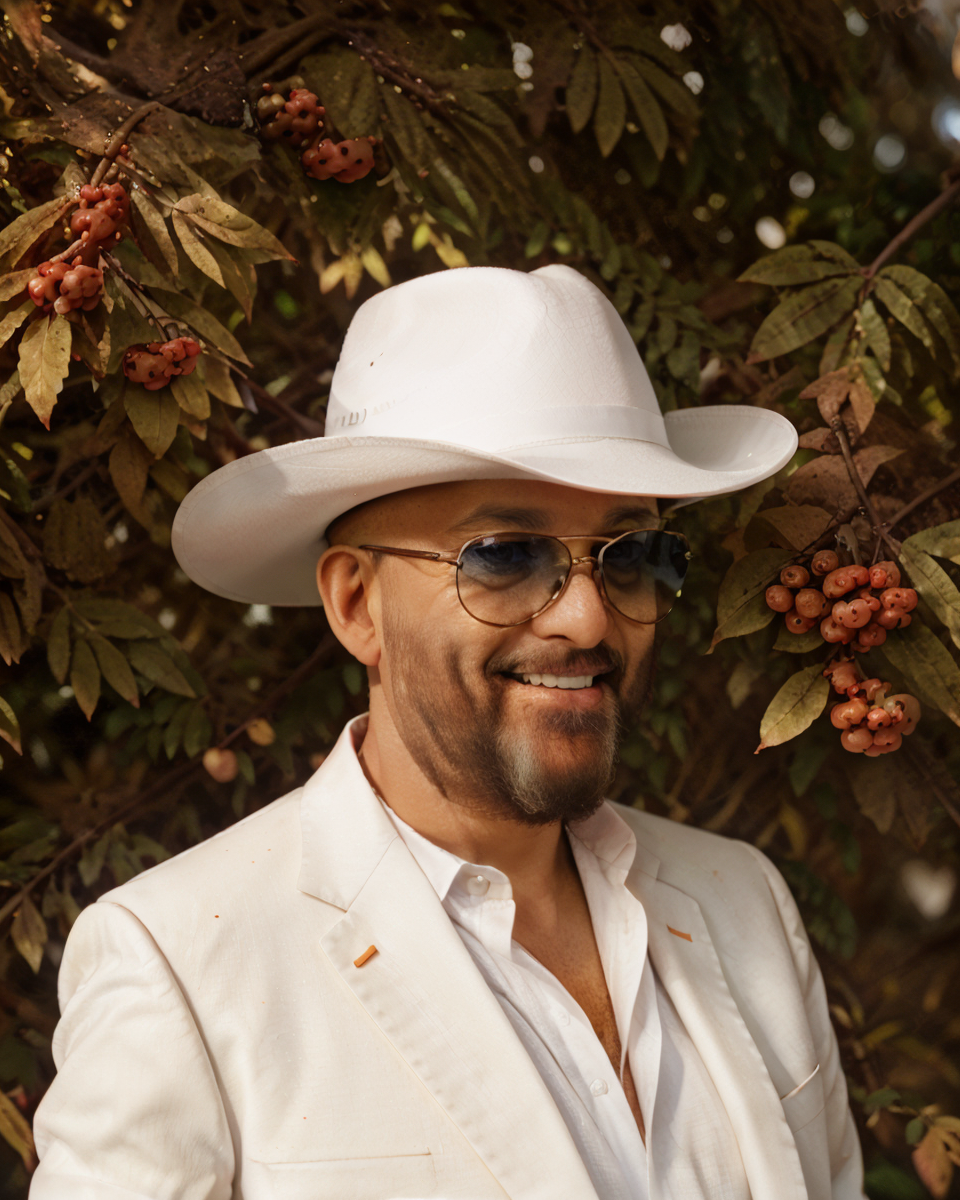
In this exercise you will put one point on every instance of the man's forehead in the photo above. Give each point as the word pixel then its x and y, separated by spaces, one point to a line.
pixel 534 518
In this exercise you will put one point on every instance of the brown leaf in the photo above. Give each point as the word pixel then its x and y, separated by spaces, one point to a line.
pixel 932 1163
pixel 74 540
pixel 17 237
pixel 29 932
pixel 85 678
pixel 12 643
pixel 129 464
pixel 16 1132
pixel 821 439
pixel 9 726
pixel 830 391
pixel 871 457
pixel 154 415
pixel 824 482
pixel 795 525
pixel 862 403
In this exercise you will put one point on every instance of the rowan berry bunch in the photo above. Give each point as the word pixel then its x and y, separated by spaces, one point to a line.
pixel 102 211
pixel 853 605
pixel 155 364
pixel 344 161
pixel 872 721
pixel 61 287
pixel 293 120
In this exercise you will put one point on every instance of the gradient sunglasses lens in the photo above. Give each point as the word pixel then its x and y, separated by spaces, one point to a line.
pixel 507 578
pixel 643 573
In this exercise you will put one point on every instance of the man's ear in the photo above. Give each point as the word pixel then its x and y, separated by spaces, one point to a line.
pixel 348 587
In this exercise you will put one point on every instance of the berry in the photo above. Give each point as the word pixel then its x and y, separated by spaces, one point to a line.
pixel 797 623
pixel 779 598
pixel 848 713
pixel 844 580
pixel 843 675
pixel 853 615
pixel 293 120
pixel 357 153
pixel 878 717
pixel 891 618
pixel 155 364
pixel 871 688
pixel 871 635
pixel 856 740
pixel 909 708
pixel 823 562
pixel 884 575
pixel 44 287
pixel 347 161
pixel 261 732
pixel 80 287
pixel 221 764
pixel 92 224
pixel 872 601
pixel 811 603
pixel 897 597
pixel 884 741
pixel 832 631
pixel 795 576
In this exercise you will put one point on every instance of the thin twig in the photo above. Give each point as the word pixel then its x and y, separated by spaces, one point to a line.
pixel 116 139
pixel 307 425
pixel 953 477
pixel 877 525
pixel 946 197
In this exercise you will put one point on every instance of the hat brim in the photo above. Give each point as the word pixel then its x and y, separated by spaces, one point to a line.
pixel 253 530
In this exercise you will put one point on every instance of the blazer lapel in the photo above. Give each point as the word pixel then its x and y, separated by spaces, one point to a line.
pixel 423 990
pixel 686 961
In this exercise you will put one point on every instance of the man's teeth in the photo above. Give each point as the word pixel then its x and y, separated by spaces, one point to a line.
pixel 559 681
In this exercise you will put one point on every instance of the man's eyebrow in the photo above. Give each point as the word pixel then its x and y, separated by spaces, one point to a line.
pixel 536 518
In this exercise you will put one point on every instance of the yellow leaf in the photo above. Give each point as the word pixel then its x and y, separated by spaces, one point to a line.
pixel 44 363
pixel 16 1132
pixel 331 275
pixel 352 274
pixel 85 678
pixel 375 266
pixel 448 253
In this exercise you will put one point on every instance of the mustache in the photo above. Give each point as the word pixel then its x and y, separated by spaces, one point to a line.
pixel 571 663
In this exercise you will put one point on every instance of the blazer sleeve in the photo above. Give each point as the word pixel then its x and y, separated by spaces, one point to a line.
pixel 846 1161
pixel 134 1112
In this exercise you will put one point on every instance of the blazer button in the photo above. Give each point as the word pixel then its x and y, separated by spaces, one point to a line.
pixel 598 1087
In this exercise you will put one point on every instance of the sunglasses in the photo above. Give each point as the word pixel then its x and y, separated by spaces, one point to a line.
pixel 505 579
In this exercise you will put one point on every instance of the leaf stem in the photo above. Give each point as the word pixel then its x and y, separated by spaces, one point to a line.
pixel 116 139
pixel 876 524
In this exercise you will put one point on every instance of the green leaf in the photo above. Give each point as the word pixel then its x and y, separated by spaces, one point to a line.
pixel 227 223
pixel 157 666
pixel 92 860
pixel 932 301
pixel 941 540
pixel 191 395
pixel 581 92
pixel 58 645
pixel 29 933
pixel 798 643
pixel 14 319
pixel 904 309
pixel 116 670
pixel 347 86
pixel 676 93
pixel 741 607
pixel 116 618
pixel 611 111
pixel 934 585
pixel 791 266
pixel 915 1130
pixel 220 382
pixel 647 107
pixel 154 416
pixel 876 332
pixel 85 678
pixel 173 733
pixel 9 726
pixel 198 732
pixel 44 363
pixel 804 316
pixel 927 665
pixel 17 238
pixel 795 707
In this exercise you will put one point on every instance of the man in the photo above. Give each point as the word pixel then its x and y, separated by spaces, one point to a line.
pixel 446 967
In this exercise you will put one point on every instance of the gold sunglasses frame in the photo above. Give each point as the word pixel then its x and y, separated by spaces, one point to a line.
pixel 453 558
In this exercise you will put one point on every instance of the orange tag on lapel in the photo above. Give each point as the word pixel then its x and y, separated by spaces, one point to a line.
pixel 676 933
pixel 358 962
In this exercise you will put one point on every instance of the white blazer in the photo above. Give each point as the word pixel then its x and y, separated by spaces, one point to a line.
pixel 218 1041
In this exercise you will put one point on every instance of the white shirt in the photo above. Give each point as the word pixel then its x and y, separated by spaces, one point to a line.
pixel 691 1151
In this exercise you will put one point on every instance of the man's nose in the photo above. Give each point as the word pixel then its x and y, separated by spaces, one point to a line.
pixel 580 614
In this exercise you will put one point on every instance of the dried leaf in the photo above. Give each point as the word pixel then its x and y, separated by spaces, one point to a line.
pixel 795 707
pixel 29 932
pixel 74 539
pixel 9 726
pixel 581 92
pixel 14 319
pixel 44 363
pixel 932 1163
pixel 17 237
pixel 16 1132
pixel 804 316
pixel 150 230
pixel 85 678
pixel 130 462
pixel 12 643
pixel 798 525
pixel 154 415
pixel 194 248
pixel 204 323
pixel 191 395
pixel 13 283
pixel 941 540
pixel 374 265
pixel 227 223
pixel 870 458
pixel 220 382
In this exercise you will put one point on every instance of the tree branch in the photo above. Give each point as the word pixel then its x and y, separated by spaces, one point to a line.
pixel 953 477
pixel 877 525
pixel 946 198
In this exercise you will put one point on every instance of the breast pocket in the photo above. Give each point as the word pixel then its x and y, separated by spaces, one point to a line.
pixel 805 1102
pixel 397 1177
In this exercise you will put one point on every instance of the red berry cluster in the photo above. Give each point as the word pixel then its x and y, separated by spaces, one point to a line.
pixel 853 605
pixel 61 287
pixel 344 161
pixel 155 364
pixel 102 210
pixel 292 121
pixel 873 722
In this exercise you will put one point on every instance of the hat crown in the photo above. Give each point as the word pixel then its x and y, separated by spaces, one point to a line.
pixel 492 358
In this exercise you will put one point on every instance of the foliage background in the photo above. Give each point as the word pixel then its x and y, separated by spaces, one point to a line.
pixel 515 135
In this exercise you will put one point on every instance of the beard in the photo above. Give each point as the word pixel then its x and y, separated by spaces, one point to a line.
pixel 455 723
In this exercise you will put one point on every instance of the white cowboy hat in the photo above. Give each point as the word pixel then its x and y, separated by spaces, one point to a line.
pixel 473 373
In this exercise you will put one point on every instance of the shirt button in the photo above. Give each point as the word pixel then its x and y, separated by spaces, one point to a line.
pixel 598 1087
pixel 477 885
pixel 562 1016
